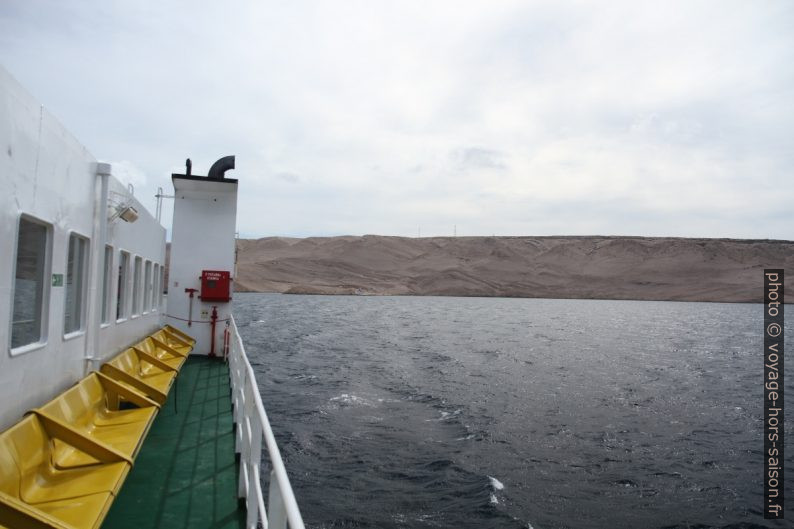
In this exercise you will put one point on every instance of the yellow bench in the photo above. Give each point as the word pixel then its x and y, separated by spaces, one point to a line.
pixel 161 351
pixel 173 341
pixel 36 494
pixel 63 464
pixel 142 372
pixel 176 338
pixel 91 407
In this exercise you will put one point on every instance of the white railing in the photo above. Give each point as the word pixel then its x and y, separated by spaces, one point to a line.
pixel 251 428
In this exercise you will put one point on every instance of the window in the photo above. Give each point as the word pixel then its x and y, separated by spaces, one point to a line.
pixel 30 283
pixel 147 287
pixel 163 286
pixel 124 271
pixel 106 284
pixel 155 285
pixel 136 287
pixel 75 283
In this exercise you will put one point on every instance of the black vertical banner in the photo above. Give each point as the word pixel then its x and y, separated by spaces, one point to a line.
pixel 773 394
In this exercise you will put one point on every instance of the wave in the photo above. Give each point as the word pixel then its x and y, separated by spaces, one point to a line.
pixel 496 484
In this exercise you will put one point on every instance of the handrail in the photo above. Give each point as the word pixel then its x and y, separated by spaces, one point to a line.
pixel 252 426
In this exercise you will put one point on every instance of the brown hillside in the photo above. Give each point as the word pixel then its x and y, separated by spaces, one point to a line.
pixel 643 268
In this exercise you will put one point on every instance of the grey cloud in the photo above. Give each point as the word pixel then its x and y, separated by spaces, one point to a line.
pixel 478 158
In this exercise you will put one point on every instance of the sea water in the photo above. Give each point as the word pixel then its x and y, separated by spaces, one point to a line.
pixel 428 412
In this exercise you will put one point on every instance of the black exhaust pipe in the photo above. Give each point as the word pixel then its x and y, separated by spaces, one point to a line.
pixel 220 167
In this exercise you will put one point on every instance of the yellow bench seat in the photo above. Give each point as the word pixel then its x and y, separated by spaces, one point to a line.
pixel 175 335
pixel 142 372
pixel 161 351
pixel 74 513
pixel 34 493
pixel 174 341
pixel 91 407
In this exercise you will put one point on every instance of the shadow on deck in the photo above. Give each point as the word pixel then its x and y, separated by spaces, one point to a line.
pixel 186 475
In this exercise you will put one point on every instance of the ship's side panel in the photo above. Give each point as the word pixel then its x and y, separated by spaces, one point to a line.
pixel 51 252
pixel 19 126
pixel 48 179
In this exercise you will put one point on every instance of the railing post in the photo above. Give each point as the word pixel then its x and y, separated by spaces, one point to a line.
pixel 277 514
pixel 252 514
pixel 244 427
pixel 237 399
pixel 254 459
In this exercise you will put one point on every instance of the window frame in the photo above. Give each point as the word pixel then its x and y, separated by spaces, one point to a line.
pixel 137 279
pixel 107 285
pixel 163 286
pixel 147 286
pixel 83 286
pixel 122 294
pixel 44 313
pixel 155 286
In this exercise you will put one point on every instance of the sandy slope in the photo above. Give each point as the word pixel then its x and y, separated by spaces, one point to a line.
pixel 552 267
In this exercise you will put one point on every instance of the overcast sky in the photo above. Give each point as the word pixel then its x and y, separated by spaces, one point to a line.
pixel 498 117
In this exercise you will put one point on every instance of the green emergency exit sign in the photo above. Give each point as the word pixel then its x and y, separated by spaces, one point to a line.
pixel 57 280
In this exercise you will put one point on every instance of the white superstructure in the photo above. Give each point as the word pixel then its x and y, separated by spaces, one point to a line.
pixel 78 282
pixel 205 214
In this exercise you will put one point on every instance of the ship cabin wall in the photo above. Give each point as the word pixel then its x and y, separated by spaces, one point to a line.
pixel 53 234
pixel 144 239
pixel 202 238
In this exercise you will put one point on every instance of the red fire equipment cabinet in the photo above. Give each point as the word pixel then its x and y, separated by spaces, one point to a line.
pixel 215 285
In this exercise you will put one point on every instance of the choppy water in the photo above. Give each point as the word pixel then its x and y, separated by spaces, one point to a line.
pixel 473 412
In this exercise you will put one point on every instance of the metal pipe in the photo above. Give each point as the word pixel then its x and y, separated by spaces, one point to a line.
pixel 97 290
pixel 190 306
pixel 226 334
pixel 213 319
pixel 220 167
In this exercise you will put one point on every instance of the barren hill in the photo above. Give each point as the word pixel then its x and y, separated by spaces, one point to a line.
pixel 643 268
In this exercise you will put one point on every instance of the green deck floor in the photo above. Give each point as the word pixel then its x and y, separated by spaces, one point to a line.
pixel 185 474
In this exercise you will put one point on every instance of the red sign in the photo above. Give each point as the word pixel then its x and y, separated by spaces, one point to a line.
pixel 215 285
